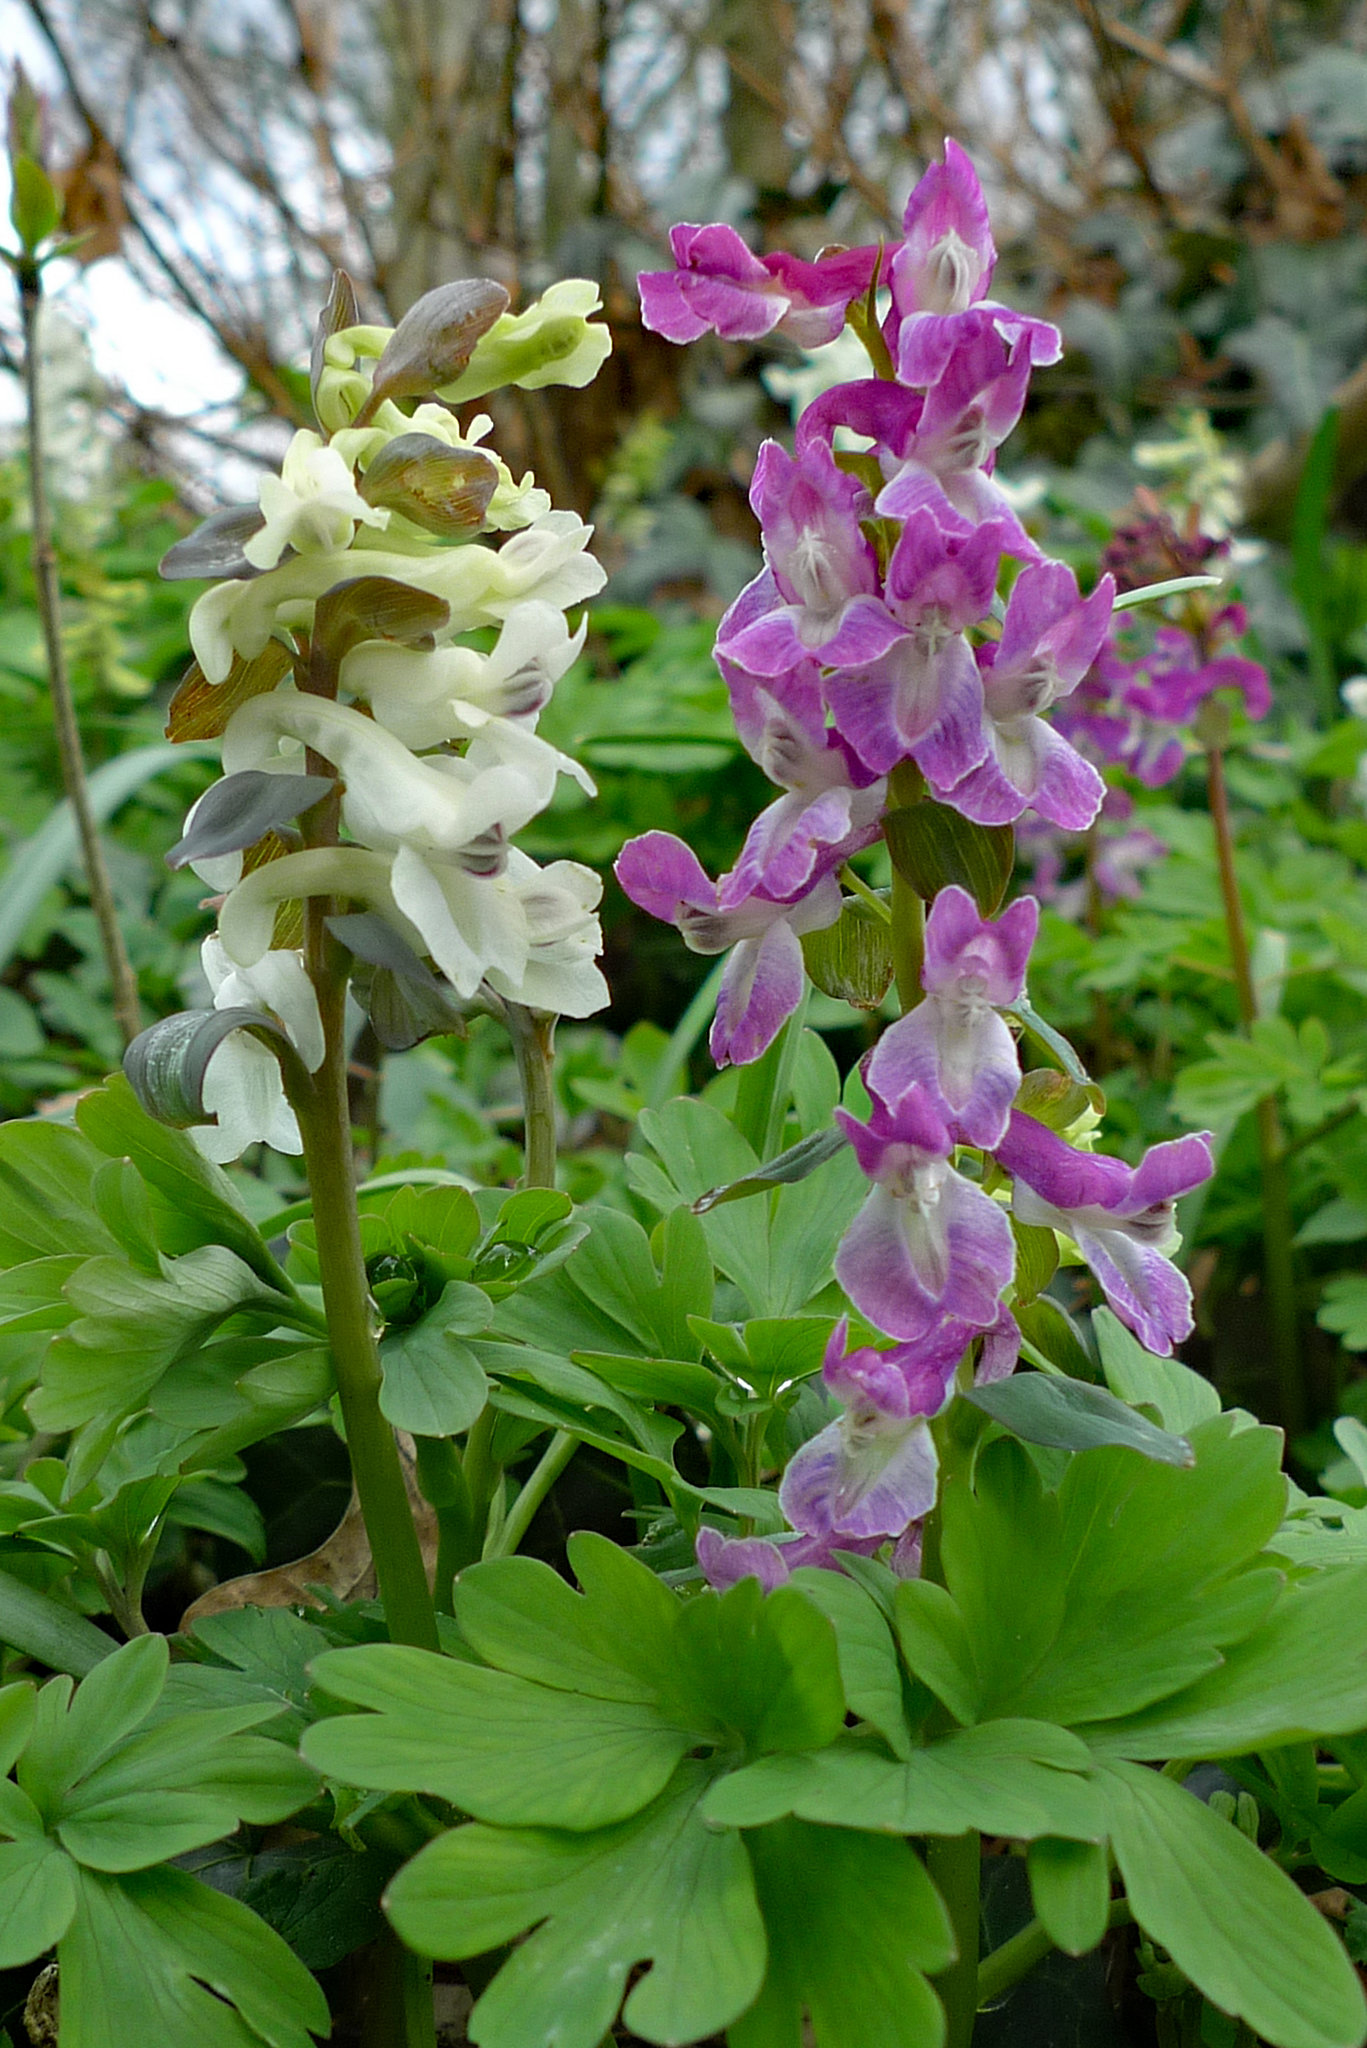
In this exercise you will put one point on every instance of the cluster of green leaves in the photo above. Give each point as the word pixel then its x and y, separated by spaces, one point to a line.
pixel 110 1784
pixel 732 1789
pixel 146 1324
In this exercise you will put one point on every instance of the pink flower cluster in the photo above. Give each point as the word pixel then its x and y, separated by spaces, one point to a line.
pixel 873 637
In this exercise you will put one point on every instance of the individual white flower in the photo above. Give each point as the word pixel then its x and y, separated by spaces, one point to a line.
pixel 392 797
pixel 242 1089
pixel 467 922
pixel 564 937
pixel 552 342
pixel 279 982
pixel 426 698
pixel 312 506
pixel 246 920
pixel 547 561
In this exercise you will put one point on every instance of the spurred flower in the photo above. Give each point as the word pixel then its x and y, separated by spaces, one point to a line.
pixel 923 696
pixel 1121 1218
pixel 955 1044
pixel 720 287
pixel 927 1243
pixel 764 977
pixel 1050 639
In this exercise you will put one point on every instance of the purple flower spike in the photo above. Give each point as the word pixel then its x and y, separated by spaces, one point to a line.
pixel 763 981
pixel 1119 1217
pixel 1050 638
pixel 720 287
pixel 947 259
pixel 954 1044
pixel 927 1243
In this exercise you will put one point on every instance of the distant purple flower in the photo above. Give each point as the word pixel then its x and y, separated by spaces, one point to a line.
pixel 820 596
pixel 1134 709
pixel 720 286
pixel 923 696
pixel 927 1243
pixel 1050 639
pixel 1120 1218
pixel 1117 854
pixel 954 1044
pixel 764 977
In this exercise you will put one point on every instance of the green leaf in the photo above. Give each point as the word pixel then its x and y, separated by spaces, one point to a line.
pixel 194 1202
pixel 869 1670
pixel 933 846
pixel 37 1899
pixel 496 1745
pixel 1300 1676
pixel 1309 526
pixel 39 863
pixel 1141 1574
pixel 1070 1885
pixel 612 1641
pixel 1017 1778
pixel 1182 1397
pixel 934 1640
pixel 1036 1261
pixel 852 958
pixel 1071 1415
pixel 791 1166
pixel 1343 1310
pixel 34 206
pixel 43 1628
pixel 134 1326
pixel 1171 586
pixel 1051 1338
pixel 264 1654
pixel 46 1200
pixel 1240 1929
pixel 151 1950
pixel 853 1924
pixel 433 1383
pixel 661 1889
pixel 762 1666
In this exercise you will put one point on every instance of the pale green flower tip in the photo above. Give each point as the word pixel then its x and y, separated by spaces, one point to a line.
pixel 552 342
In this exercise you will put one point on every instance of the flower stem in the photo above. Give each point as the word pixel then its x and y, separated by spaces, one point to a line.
pixel 533 1036
pixel 1004 1968
pixel 1278 1224
pixel 326 1129
pixel 127 1008
pixel 955 1866
pixel 540 1480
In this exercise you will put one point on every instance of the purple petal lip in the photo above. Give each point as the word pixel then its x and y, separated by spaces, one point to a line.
pixel 1071 1180
pixel 663 876
pixel 722 286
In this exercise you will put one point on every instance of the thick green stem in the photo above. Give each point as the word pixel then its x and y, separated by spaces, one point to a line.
pixel 1279 1266
pixel 540 1480
pixel 955 1866
pixel 1016 1958
pixel 441 1476
pixel 325 1126
pixel 127 1008
pixel 533 1036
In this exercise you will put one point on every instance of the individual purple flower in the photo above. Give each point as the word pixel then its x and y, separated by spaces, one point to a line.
pixel 947 255
pixel 1121 1218
pixel 832 800
pixel 927 1243
pixel 820 596
pixel 1118 852
pixel 955 1044
pixel 923 695
pixel 1050 638
pixel 1176 678
pixel 720 286
pixel 943 268
pixel 974 402
pixel 763 982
